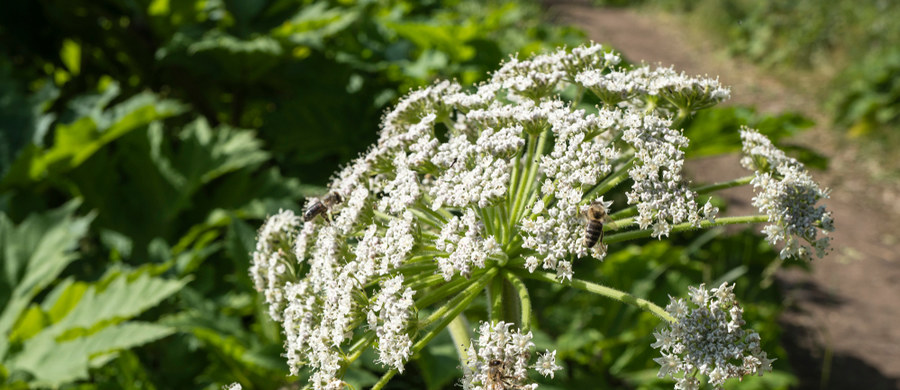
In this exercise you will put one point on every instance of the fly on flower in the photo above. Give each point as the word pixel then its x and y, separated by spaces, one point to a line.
pixel 322 206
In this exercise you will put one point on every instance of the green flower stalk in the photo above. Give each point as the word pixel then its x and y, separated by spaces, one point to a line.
pixel 469 191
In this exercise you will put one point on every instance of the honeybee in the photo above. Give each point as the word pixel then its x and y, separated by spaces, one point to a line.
pixel 595 215
pixel 322 206
pixel 497 378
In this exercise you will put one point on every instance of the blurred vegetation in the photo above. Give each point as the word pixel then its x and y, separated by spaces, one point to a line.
pixel 143 141
pixel 849 49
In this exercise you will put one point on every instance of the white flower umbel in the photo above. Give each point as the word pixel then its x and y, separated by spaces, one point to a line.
pixel 659 191
pixel 388 316
pixel 788 195
pixel 461 239
pixel 471 190
pixel 273 260
pixel 499 359
pixel 707 338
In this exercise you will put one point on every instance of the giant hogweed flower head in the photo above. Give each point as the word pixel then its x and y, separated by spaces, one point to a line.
pixel 707 338
pixel 469 187
pixel 788 195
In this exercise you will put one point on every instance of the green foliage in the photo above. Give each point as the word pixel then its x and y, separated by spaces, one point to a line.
pixel 77 325
pixel 327 68
pixel 716 131
pixel 850 45
pixel 868 100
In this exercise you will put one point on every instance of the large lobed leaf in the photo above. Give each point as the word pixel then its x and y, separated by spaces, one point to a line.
pixel 81 325
pixel 96 125
pixel 54 363
pixel 33 254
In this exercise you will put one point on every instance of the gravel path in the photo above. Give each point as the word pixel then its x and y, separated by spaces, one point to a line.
pixel 840 328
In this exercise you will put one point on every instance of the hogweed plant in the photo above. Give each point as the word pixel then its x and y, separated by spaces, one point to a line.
pixel 469 191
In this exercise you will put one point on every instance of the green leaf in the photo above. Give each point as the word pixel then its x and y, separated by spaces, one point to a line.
pixel 227 336
pixel 447 38
pixel 76 141
pixel 70 54
pixel 122 297
pixel 314 23
pixel 84 325
pixel 55 363
pixel 716 130
pixel 33 254
pixel 205 154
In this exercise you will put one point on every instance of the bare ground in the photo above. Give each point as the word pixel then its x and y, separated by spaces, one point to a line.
pixel 839 323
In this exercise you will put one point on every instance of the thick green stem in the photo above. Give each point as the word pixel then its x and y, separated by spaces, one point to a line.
pixel 683 115
pixel 611 181
pixel 458 303
pixel 524 300
pixel 459 332
pixel 426 218
pixel 505 229
pixel 528 184
pixel 442 292
pixel 619 237
pixel 419 282
pixel 384 379
pixel 723 185
pixel 608 292
pixel 495 297
pixel 624 213
pixel 522 171
pixel 486 220
pixel 357 349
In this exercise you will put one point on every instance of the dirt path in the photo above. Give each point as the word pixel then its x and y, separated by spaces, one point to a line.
pixel 839 326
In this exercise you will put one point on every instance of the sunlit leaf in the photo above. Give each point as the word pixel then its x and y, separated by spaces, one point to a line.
pixel 54 363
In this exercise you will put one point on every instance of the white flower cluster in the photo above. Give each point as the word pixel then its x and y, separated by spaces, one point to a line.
pixel 461 180
pixel 708 340
pixel 461 238
pixel 475 173
pixel 659 190
pixel 499 360
pixel 787 194
pixel 273 260
pixel 582 153
pixel 684 92
pixel 660 88
pixel 388 316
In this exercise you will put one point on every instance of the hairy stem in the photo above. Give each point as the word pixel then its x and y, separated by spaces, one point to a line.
pixel 525 189
pixel 723 185
pixel 608 292
pixel 384 379
pixel 611 181
pixel 442 292
pixel 357 349
pixel 524 300
pixel 625 236
pixel 457 304
pixel 495 297
pixel 459 332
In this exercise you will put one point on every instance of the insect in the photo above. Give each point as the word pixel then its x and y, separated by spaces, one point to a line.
pixel 595 215
pixel 322 206
pixel 497 378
